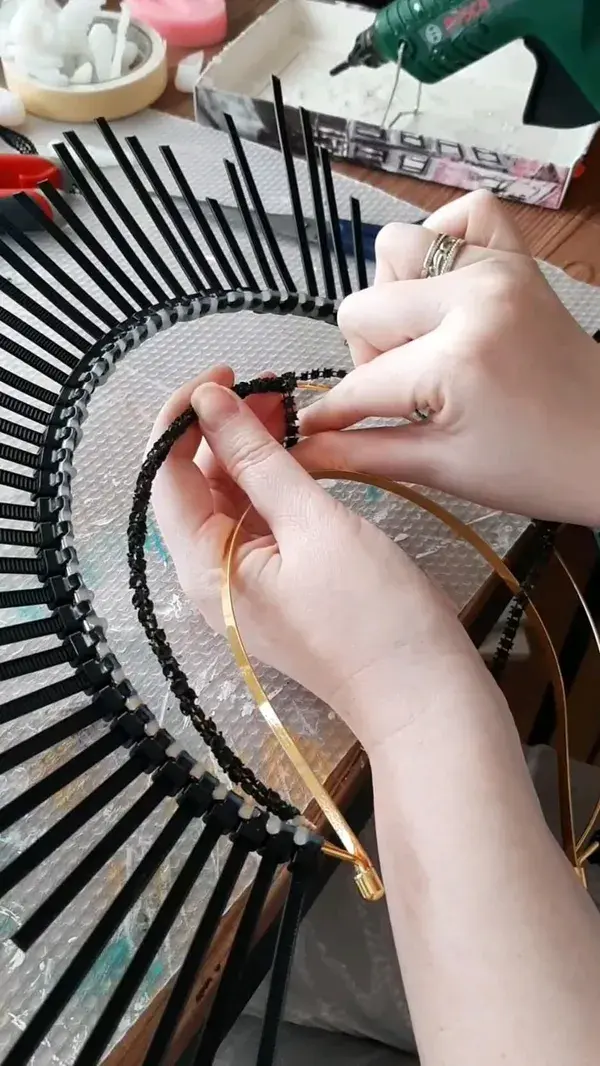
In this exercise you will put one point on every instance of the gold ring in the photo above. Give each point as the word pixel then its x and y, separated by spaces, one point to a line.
pixel 442 255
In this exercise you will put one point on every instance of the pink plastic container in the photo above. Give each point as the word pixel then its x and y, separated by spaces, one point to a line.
pixel 187 23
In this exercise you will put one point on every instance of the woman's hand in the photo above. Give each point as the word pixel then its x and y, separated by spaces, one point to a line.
pixel 320 594
pixel 510 379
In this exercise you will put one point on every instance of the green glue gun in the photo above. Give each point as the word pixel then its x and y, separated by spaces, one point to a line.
pixel 432 39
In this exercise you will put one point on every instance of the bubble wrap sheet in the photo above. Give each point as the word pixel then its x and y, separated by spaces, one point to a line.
pixel 107 461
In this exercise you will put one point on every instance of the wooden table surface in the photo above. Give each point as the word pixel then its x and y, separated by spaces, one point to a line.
pixel 569 238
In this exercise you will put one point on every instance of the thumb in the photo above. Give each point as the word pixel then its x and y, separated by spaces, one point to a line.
pixel 275 484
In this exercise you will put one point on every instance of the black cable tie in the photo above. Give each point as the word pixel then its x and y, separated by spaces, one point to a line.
pixel 29 388
pixel 124 215
pixel 62 329
pixel 29 1040
pixel 18 482
pixel 48 291
pixel 23 598
pixel 75 650
pixel 52 562
pixel 21 432
pixel 24 410
pixel 334 219
pixel 49 737
pixel 249 224
pixel 104 281
pixel 22 566
pixel 33 335
pixel 294 191
pixel 303 868
pixel 178 224
pixel 202 223
pixel 223 1009
pixel 23 631
pixel 50 842
pixel 69 888
pixel 318 206
pixel 258 206
pixel 19 456
pixel 224 816
pixel 233 245
pixel 16 809
pixel 170 908
pixel 357 239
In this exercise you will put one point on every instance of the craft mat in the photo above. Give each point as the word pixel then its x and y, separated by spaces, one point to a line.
pixel 107 461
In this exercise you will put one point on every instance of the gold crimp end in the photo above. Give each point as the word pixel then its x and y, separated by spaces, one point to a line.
pixel 369 883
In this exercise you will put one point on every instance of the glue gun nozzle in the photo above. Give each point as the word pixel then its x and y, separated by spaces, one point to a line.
pixel 341 67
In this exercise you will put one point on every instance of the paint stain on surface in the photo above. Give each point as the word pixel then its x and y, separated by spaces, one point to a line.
pixel 31 614
pixel 373 494
pixel 110 967
pixel 8 925
pixel 154 543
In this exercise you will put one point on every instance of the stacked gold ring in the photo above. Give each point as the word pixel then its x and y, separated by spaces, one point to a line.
pixel 442 255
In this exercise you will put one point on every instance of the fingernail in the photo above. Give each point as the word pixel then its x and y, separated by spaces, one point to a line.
pixel 214 405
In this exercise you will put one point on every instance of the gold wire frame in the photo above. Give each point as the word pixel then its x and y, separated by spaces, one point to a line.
pixel 366 877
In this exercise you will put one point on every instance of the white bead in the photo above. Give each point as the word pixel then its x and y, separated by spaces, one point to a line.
pixel 188 72
pixel 300 836
pixel 12 110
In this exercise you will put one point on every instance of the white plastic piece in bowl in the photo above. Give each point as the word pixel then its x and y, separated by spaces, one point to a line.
pixel 130 54
pixel 51 76
pixel 101 43
pixel 83 75
pixel 120 41
pixel 73 23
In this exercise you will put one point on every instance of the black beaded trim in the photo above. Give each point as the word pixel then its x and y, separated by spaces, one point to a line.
pixel 179 683
pixel 545 533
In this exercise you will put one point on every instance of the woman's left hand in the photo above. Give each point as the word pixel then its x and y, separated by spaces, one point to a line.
pixel 320 594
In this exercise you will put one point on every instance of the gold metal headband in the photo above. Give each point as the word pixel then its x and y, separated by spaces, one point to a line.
pixel 366 877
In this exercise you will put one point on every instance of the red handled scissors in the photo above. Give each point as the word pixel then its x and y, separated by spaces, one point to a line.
pixel 24 174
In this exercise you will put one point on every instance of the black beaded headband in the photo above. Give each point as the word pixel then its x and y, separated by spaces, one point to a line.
pixel 72 343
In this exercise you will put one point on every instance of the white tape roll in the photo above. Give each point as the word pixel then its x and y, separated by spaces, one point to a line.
pixel 111 100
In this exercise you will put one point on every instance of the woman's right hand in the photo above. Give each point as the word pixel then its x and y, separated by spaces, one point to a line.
pixel 511 381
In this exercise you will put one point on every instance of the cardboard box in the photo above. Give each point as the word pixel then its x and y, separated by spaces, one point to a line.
pixel 467 133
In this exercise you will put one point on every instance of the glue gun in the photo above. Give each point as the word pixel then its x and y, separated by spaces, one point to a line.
pixel 431 39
